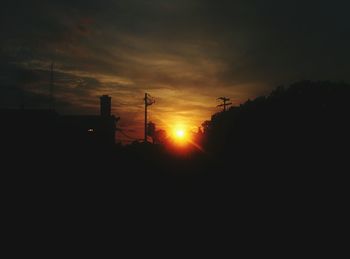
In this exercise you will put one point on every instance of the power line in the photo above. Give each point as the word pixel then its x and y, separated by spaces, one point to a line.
pixel 127 136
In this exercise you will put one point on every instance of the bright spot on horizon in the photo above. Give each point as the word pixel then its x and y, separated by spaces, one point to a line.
pixel 180 133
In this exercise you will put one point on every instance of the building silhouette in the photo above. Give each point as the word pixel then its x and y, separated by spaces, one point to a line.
pixel 37 127
pixel 105 105
pixel 90 129
pixel 27 127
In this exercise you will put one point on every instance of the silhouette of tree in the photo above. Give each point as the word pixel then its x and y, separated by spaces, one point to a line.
pixel 206 125
pixel 307 119
pixel 151 130
pixel 160 137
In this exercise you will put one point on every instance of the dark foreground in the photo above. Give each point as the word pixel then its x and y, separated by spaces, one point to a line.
pixel 148 199
pixel 274 166
pixel 120 178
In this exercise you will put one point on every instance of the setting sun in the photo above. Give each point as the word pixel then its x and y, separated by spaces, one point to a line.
pixel 180 134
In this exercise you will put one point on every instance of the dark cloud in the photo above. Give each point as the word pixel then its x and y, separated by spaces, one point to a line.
pixel 191 50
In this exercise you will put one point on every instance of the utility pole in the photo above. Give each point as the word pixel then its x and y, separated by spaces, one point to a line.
pixel 52 105
pixel 225 102
pixel 145 137
pixel 148 101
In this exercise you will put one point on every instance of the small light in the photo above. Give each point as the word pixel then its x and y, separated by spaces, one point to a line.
pixel 90 130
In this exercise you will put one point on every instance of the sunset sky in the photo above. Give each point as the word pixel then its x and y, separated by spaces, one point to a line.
pixel 185 53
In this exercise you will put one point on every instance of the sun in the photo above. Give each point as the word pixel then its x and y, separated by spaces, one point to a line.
pixel 180 133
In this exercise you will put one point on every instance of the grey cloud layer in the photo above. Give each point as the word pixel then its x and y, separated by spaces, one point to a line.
pixel 200 48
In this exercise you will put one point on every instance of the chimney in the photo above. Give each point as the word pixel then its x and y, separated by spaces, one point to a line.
pixel 105 102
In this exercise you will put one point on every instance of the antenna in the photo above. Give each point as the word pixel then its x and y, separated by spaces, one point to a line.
pixel 52 101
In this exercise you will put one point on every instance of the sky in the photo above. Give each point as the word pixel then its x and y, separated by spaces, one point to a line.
pixel 184 53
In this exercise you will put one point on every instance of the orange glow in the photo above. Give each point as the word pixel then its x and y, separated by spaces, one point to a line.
pixel 182 139
pixel 180 135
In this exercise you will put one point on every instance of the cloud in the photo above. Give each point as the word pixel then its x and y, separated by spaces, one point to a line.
pixel 185 53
